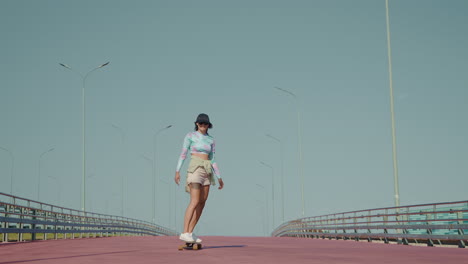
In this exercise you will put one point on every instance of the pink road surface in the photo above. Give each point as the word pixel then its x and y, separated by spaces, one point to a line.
pixel 223 250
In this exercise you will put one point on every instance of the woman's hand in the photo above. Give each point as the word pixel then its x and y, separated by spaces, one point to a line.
pixel 177 177
pixel 221 183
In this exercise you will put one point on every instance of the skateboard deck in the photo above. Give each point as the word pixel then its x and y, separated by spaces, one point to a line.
pixel 191 246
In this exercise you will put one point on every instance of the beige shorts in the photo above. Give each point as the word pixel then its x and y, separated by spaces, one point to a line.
pixel 199 176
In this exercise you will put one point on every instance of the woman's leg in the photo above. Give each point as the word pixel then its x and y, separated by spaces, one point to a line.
pixel 195 191
pixel 204 191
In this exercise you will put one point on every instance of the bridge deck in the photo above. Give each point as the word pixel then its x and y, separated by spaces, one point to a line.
pixel 136 250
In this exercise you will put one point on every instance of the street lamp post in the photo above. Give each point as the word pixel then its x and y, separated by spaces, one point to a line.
pixel 123 174
pixel 262 215
pixel 301 169
pixel 282 176
pixel 154 169
pixel 390 77
pixel 12 166
pixel 152 177
pixel 272 190
pixel 266 203
pixel 83 102
pixel 89 177
pixel 39 174
pixel 168 201
pixel 58 187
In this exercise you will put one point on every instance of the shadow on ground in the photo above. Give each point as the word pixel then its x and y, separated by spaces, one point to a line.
pixel 232 246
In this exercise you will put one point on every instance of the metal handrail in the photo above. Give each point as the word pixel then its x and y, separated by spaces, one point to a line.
pixel 440 223
pixel 23 216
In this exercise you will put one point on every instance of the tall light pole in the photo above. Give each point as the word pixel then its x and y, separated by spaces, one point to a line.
pixel 301 166
pixel 168 201
pixel 59 189
pixel 123 174
pixel 282 180
pixel 155 138
pixel 152 177
pixel 390 77
pixel 39 174
pixel 83 103
pixel 262 215
pixel 89 177
pixel 272 190
pixel 266 203
pixel 12 166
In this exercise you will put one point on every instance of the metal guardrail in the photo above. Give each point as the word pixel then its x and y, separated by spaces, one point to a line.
pixel 24 216
pixel 432 224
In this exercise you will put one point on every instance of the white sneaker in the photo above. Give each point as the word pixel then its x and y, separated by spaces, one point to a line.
pixel 186 237
pixel 195 238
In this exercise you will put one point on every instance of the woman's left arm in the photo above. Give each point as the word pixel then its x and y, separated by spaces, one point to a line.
pixel 214 165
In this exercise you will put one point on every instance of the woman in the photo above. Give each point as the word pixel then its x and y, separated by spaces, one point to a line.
pixel 201 168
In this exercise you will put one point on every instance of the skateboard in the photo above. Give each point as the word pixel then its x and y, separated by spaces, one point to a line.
pixel 192 246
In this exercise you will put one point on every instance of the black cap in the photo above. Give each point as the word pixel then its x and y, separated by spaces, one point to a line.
pixel 203 118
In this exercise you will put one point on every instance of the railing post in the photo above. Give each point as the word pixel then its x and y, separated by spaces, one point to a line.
pixel 5 224
pixel 13 210
pixel 82 228
pixel 56 220
pixel 87 225
pixel 428 222
pixel 461 243
pixel 74 218
pixel 64 218
pixel 44 226
pixel 21 225
pixel 94 228
pixel 33 226
pixel 101 227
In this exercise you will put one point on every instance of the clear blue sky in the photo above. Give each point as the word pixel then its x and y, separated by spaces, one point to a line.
pixel 170 60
